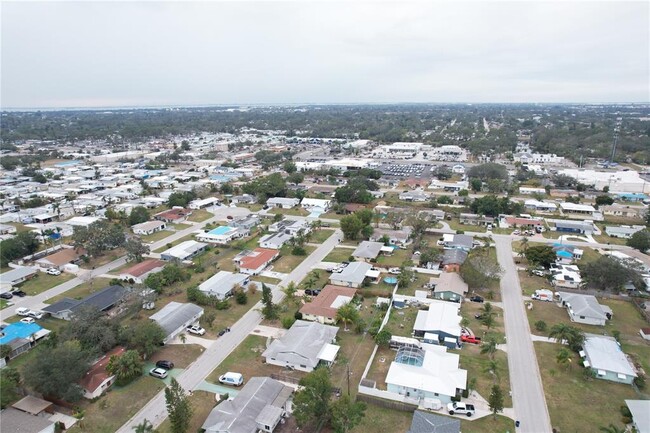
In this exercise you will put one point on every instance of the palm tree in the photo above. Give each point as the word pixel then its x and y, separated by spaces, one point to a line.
pixel 524 244
pixel 487 308
pixel 347 314
pixel 183 338
pixel 563 357
pixel 144 427
pixel 489 347
pixel 561 332
pixel 492 367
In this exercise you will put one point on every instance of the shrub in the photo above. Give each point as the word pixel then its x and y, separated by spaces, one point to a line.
pixel 465 393
pixel 241 297
pixel 298 251
pixel 639 381
pixel 169 245
pixel 222 305
pixel 460 232
pixel 298 315
pixel 252 288
pixel 540 325
pixel 288 321
pixel 351 259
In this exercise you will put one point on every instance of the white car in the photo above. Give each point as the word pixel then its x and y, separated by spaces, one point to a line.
pixel 394 271
pixel 53 271
pixel 35 314
pixel 160 373
pixel 22 311
pixel 27 320
pixel 196 330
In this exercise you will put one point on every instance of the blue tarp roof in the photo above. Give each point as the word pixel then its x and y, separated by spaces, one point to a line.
pixel 18 330
pixel 563 253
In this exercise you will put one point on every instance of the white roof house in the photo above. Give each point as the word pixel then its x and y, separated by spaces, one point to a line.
pixel 148 227
pixel 567 277
pixel 426 372
pixel 585 308
pixel 82 221
pixel 368 250
pixel 640 410
pixel 283 202
pixel 174 317
pixel 605 357
pixel 183 251
pixel 442 318
pixel 303 347
pixel 16 276
pixel 203 203
pixel 352 275
pixel 222 283
pixel 315 203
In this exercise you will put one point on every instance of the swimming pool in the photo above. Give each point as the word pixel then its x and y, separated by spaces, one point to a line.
pixel 390 280
pixel 221 230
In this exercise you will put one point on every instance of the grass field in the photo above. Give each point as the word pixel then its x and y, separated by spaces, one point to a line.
pixel 182 355
pixel 173 244
pixel 339 255
pixel 530 283
pixel 500 424
pixel 454 224
pixel 155 237
pixel 199 215
pixel 475 363
pixel 295 211
pixel 288 262
pixel 320 236
pixel 42 282
pixel 396 259
pixel 111 411
pixel 379 419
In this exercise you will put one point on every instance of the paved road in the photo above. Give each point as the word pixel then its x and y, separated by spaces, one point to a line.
pixel 190 379
pixel 37 302
pixel 527 390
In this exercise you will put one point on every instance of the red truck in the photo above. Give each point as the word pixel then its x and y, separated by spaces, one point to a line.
pixel 470 339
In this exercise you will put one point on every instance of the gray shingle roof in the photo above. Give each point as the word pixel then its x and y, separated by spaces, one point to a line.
pixel 424 422
pixel 302 343
pixel 368 250
pixel 102 300
pixel 176 315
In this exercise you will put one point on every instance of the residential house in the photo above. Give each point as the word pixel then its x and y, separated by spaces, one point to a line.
pixel 624 211
pixel 97 380
pixel 243 199
pixel 645 333
pixel 203 203
pixel 640 410
pixel 476 220
pixel 148 227
pixel 259 406
pixel 282 232
pixel 426 372
pixel 416 195
pixel 223 283
pixel 222 235
pixel 175 215
pixel 449 287
pixel 367 250
pixel 61 258
pixel 585 227
pixel 82 221
pixel 323 308
pixel 305 346
pixel 282 202
pixel 140 271
pixel 604 356
pixel 540 206
pixel 400 238
pixel 7 229
pixel 275 241
pixel 21 337
pixel 14 277
pixel 254 262
pixel 102 300
pixel 507 221
pixel 452 259
pixel 17 421
pixel 567 254
pixel 585 309
pixel 316 204
pixel 427 422
pixel 246 222
pixel 566 276
pixel 527 190
pixel 432 214
pixel 353 275
pixel 622 232
pixel 175 317
pixel 440 324
pixel 184 251
pixel 580 210
pixel 458 242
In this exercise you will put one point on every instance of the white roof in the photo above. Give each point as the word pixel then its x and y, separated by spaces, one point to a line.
pixel 340 301
pixel 441 316
pixel 604 353
pixel 328 352
pixel 222 282
pixel 439 372
pixel 640 410
pixel 577 207
pixel 81 221
pixel 318 202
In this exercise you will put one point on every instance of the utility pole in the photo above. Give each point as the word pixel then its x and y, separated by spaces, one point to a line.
pixel 348 379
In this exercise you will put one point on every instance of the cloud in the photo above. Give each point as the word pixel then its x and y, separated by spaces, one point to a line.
pixel 63 54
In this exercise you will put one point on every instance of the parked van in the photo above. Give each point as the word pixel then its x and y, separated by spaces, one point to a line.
pixel 230 378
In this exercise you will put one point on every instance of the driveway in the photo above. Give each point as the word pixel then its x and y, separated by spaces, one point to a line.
pixel 527 391
pixel 192 378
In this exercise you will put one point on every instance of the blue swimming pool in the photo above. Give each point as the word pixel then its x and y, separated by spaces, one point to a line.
pixel 221 230
pixel 390 280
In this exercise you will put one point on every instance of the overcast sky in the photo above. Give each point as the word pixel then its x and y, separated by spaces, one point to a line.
pixel 92 54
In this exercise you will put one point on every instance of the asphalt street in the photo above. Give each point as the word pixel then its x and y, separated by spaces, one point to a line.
pixel 527 391
pixel 155 410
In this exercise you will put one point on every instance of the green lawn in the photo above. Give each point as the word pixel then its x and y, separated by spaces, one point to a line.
pixel 500 424
pixel 173 244
pixel 267 280
pixel 202 403
pixel 567 391
pixel 199 216
pixel 110 412
pixel 396 259
pixel 3 303
pixel 42 282
pixel 287 261
pixel 401 321
pixel 155 237
pixel 379 419
pixel 331 216
pixel 320 236
pixel 339 255
pixel 455 224
pixel 475 364
pixel 590 255
pixel 530 283
pixel 296 211
pixel 82 290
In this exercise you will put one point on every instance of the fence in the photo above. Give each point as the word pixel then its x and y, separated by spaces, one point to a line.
pixel 388 404
pixel 296 380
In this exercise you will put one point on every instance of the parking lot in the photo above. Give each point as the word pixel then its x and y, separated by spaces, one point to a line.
pixel 403 171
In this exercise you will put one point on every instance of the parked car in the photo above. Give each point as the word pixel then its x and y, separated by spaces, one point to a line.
pixel 53 271
pixel 470 339
pixel 538 272
pixel 230 378
pixel 22 311
pixel 160 373
pixel 461 408
pixel 6 295
pixel 167 365
pixel 516 232
pixel 312 292
pixel 476 298
pixel 19 293
pixel 196 330
pixel 394 271
pixel 35 314
pixel 223 331
pixel 27 320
